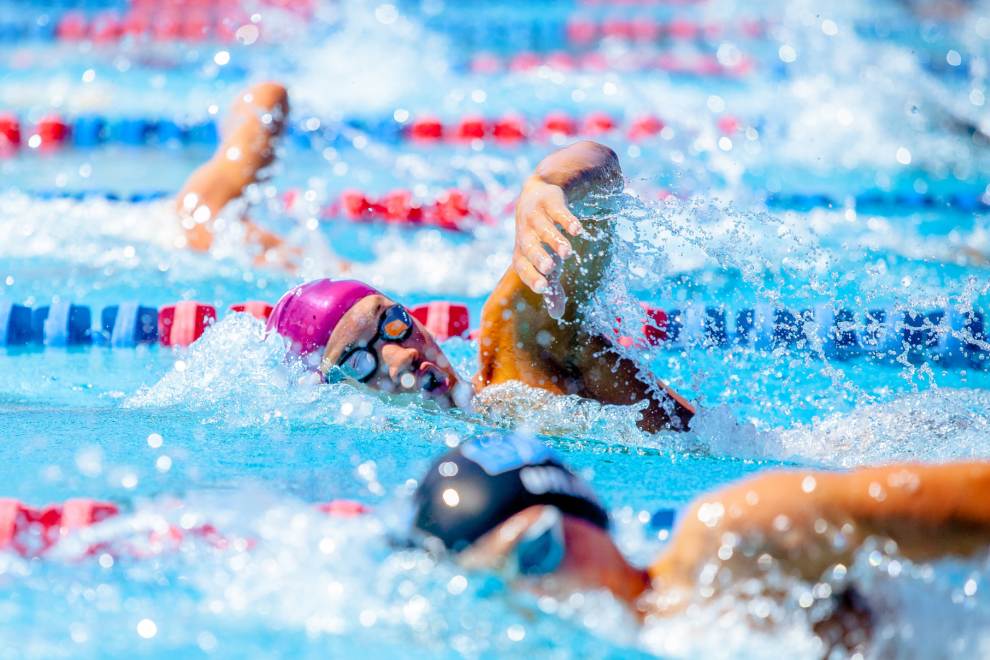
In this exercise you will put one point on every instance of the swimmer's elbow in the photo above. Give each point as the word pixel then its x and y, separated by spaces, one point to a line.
pixel 582 165
pixel 604 155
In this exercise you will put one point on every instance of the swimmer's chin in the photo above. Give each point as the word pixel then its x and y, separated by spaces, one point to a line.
pixel 410 399
pixel 458 397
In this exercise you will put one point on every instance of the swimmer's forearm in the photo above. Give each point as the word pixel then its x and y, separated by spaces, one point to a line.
pixel 929 510
pixel 542 213
pixel 256 121
pixel 806 522
pixel 581 167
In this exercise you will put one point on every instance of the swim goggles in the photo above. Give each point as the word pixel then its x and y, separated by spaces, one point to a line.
pixel 361 362
pixel 540 550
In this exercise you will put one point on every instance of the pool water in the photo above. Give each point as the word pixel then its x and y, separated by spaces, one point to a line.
pixel 841 102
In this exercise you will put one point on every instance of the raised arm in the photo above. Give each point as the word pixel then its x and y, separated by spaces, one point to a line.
pixel 254 123
pixel 542 218
pixel 807 522
pixel 550 345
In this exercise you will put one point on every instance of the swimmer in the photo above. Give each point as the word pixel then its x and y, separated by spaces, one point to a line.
pixel 348 328
pixel 507 503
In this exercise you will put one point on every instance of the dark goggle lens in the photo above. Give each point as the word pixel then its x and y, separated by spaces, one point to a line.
pixel 359 365
pixel 541 549
pixel 396 324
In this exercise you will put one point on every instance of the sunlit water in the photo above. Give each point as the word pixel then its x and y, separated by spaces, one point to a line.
pixel 223 432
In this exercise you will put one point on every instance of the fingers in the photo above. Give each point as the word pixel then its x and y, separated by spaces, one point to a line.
pixel 532 249
pixel 558 212
pixel 547 231
pixel 543 222
pixel 540 215
pixel 528 274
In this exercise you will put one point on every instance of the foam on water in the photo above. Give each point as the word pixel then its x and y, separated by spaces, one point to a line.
pixel 469 268
pixel 237 376
pixel 282 569
pixel 935 425
pixel 253 561
pixel 376 59
pixel 311 585
pixel 84 231
pixel 918 609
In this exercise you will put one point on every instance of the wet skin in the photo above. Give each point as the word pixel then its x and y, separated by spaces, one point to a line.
pixel 519 341
pixel 416 364
pixel 792 517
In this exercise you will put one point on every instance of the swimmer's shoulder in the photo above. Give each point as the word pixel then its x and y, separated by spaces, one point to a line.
pixel 517 338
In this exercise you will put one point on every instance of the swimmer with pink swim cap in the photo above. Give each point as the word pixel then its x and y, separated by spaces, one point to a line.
pixel 351 327
pixel 533 327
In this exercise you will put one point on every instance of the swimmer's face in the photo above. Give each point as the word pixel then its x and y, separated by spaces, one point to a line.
pixel 416 364
pixel 591 560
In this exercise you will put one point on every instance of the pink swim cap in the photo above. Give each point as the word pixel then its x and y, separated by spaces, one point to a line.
pixel 308 314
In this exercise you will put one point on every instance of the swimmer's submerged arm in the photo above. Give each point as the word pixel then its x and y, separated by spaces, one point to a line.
pixel 807 522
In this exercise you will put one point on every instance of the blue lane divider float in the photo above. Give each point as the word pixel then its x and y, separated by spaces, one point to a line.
pixel 127 325
pixel 967 201
pixel 947 337
pixel 110 196
pixel 663 519
pixel 15 324
pixel 62 324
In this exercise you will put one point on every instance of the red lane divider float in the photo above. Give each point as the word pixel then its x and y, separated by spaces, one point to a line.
pixel 443 319
pixel 183 323
pixel 256 308
pixel 177 20
pixel 52 132
pixel 654 331
pixel 10 133
pixel 702 65
pixel 512 129
pixel 452 210
pixel 587 32
pixel 167 25
pixel 33 532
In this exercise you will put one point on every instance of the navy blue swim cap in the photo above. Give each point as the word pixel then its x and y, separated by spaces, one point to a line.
pixel 482 483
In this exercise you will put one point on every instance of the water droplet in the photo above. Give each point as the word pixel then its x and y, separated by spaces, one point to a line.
pixel 147 628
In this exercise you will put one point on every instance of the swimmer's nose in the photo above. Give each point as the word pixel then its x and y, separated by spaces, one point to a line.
pixel 400 360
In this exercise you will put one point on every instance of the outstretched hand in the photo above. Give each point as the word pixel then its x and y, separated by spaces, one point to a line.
pixel 541 215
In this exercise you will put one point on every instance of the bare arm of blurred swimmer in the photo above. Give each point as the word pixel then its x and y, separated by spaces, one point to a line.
pixel 254 123
pixel 808 522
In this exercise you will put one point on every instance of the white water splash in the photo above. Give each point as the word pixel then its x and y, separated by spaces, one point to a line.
pixel 375 59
